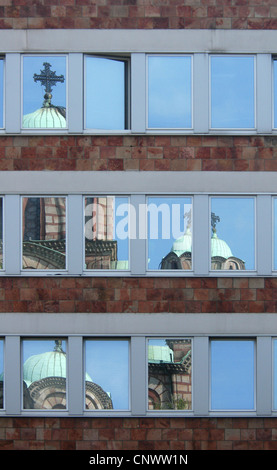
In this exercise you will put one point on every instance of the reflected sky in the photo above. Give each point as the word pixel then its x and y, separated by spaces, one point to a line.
pixel 166 223
pixel 232 92
pixel 275 91
pixel 275 374
pixel 105 93
pixel 169 92
pixel 107 363
pixel 275 232
pixel 1 91
pixel 237 226
pixel 232 375
pixel 33 92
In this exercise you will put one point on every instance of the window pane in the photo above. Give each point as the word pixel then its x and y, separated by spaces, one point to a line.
pixel 275 374
pixel 1 234
pixel 275 232
pixel 107 374
pixel 1 92
pixel 169 92
pixel 44 92
pixel 232 233
pixel 232 375
pixel 106 232
pixel 44 232
pixel 105 93
pixel 44 374
pixel 169 374
pixel 169 233
pixel 275 91
pixel 1 373
pixel 232 92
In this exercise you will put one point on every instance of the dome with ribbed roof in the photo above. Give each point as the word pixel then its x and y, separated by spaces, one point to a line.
pixel 48 364
pixel 220 247
pixel 183 244
pixel 45 118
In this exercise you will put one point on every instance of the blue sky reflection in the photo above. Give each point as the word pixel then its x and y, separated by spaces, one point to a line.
pixel 169 92
pixel 232 92
pixel 232 375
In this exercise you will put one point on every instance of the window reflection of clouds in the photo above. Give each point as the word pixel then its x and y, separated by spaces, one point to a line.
pixel 237 226
pixel 275 92
pixel 169 92
pixel 232 92
pixel 105 93
pixel 232 374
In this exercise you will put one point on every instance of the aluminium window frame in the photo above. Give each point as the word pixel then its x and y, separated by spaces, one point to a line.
pixel 236 129
pixel 127 95
pixel 46 130
pixel 135 185
pixel 15 327
pixel 173 129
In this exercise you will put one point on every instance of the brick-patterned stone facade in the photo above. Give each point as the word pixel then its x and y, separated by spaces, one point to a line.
pixel 136 295
pixel 138 14
pixel 139 434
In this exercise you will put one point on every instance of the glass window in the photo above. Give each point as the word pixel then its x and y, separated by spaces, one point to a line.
pixel 1 92
pixel 105 93
pixel 1 235
pixel 44 232
pixel 169 92
pixel 275 374
pixel 44 92
pixel 275 232
pixel 106 232
pixel 169 374
pixel 107 374
pixel 275 92
pixel 44 374
pixel 169 233
pixel 232 374
pixel 233 233
pixel 232 92
pixel 1 373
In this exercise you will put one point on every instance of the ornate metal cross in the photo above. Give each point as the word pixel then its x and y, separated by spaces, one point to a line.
pixel 48 78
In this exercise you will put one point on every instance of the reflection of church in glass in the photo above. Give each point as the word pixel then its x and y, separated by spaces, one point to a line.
pixel 44 233
pixel 180 256
pixel 169 375
pixel 44 383
pixel 49 115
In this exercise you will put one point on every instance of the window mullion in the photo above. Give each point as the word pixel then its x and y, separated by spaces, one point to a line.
pixel 12 93
pixel 12 375
pixel 138 234
pixel 264 235
pixel 138 371
pixel 138 93
pixel 75 234
pixel 75 382
pixel 201 235
pixel 75 93
pixel 200 374
pixel 12 230
pixel 264 376
pixel 200 93
pixel 264 97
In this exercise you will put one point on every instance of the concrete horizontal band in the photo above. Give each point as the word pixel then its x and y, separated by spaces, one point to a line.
pixel 67 40
pixel 131 182
pixel 137 324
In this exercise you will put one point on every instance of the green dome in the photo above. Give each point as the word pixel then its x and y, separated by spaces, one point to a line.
pixel 219 247
pixel 44 118
pixel 48 364
pixel 159 354
pixel 183 244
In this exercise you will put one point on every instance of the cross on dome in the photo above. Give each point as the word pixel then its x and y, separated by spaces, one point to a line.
pixel 48 78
